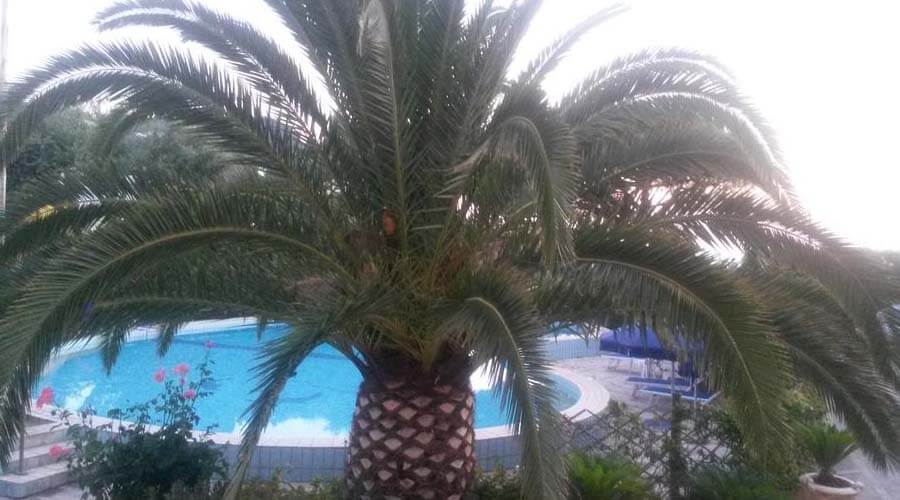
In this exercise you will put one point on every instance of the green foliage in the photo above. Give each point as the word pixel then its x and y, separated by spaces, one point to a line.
pixel 273 488
pixel 806 411
pixel 160 146
pixel 782 469
pixel 594 478
pixel 827 446
pixel 68 141
pixel 591 478
pixel 802 406
pixel 499 484
pixel 154 452
pixel 60 142
pixel 276 489
pixel 734 484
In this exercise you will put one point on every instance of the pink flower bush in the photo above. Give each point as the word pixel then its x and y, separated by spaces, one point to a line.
pixel 159 375
pixel 56 451
pixel 181 369
pixel 209 344
pixel 45 398
pixel 190 394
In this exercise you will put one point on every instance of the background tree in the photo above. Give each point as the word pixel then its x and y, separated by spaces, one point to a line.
pixel 59 143
pixel 76 139
pixel 425 214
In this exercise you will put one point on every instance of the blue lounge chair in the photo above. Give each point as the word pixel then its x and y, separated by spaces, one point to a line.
pixel 679 382
pixel 615 357
pixel 693 395
pixel 641 382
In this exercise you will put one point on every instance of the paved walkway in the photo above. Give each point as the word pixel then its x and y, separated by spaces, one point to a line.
pixel 878 485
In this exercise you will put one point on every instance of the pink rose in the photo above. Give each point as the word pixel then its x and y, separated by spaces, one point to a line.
pixel 190 394
pixel 56 451
pixel 181 369
pixel 45 398
pixel 159 375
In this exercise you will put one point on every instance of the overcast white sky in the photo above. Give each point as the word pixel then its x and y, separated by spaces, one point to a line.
pixel 825 73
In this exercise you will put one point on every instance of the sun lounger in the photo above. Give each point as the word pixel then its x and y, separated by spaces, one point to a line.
pixel 614 357
pixel 692 395
pixel 642 381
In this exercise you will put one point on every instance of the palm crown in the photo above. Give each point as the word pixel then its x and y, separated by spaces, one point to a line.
pixel 385 188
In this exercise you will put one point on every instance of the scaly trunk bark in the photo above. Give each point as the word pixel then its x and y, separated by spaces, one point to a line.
pixel 412 439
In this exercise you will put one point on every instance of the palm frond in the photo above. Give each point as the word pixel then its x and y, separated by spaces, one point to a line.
pixel 551 56
pixel 490 38
pixel 267 67
pixel 527 134
pixel 328 315
pixel 496 319
pixel 666 285
pixel 716 136
pixel 278 363
pixel 170 81
pixel 57 295
pixel 820 340
pixel 745 218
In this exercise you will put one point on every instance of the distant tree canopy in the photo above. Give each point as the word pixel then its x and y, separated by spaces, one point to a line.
pixel 68 140
pixel 60 142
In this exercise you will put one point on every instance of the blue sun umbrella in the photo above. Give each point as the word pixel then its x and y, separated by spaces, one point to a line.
pixel 644 343
pixel 635 343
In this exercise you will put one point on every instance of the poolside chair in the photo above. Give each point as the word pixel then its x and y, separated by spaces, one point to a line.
pixel 615 357
pixel 641 382
pixel 694 395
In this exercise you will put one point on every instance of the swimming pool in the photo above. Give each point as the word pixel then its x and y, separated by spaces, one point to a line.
pixel 317 402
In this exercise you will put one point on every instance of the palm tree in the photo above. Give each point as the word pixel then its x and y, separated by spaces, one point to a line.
pixel 386 189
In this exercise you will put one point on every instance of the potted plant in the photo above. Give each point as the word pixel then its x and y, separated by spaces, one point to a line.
pixel 827 446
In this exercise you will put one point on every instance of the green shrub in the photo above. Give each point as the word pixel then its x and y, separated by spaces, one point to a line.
pixel 827 446
pixel 594 478
pixel 804 407
pixel 273 488
pixel 734 484
pixel 497 485
pixel 151 449
pixel 276 489
pixel 782 469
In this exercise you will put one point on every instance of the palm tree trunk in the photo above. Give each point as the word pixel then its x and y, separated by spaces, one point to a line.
pixel 412 439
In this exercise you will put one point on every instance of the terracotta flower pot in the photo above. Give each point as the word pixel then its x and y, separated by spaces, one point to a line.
pixel 810 490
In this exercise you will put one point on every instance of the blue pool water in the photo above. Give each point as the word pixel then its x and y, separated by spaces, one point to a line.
pixel 318 401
